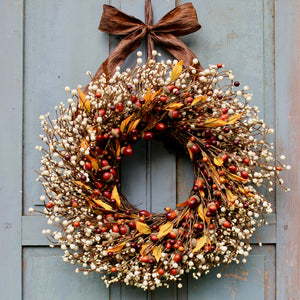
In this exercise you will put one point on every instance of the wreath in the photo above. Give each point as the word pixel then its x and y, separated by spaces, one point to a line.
pixel 206 113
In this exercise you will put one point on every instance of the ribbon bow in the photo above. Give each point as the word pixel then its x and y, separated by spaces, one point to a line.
pixel 178 22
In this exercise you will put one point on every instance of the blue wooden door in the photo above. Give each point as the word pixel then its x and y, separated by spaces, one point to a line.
pixel 47 44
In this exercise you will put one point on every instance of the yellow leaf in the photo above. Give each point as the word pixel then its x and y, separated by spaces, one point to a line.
pixel 202 213
pixel 190 153
pixel 144 247
pixel 174 106
pixel 155 94
pixel 115 195
pixel 214 122
pixel 116 248
pixel 200 243
pixel 165 229
pixel 103 204
pixel 134 124
pixel 94 162
pixel 231 198
pixel 85 104
pixel 218 161
pixel 198 99
pixel 147 97
pixel 176 71
pixel 157 252
pixel 236 177
pixel 82 184
pixel 142 227
pixel 84 144
pixel 125 123
pixel 233 119
pixel 118 151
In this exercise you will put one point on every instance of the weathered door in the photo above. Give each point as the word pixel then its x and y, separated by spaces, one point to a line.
pixel 47 44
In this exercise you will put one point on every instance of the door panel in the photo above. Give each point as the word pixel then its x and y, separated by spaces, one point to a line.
pixel 55 43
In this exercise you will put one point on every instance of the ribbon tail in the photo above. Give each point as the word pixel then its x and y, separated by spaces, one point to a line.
pixel 177 48
pixel 120 53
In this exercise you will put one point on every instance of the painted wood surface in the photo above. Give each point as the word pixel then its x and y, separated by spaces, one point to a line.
pixel 61 42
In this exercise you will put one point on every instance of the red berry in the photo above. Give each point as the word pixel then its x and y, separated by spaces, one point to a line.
pixel 173 272
pixel 212 208
pixel 133 98
pixel 131 224
pixel 232 169
pixel 171 215
pixel 49 204
pixel 170 87
pixel 106 194
pixel 244 174
pixel 219 65
pixel 115 228
pixel 227 224
pixel 102 112
pixel 177 258
pixel 107 176
pixel 246 160
pixel 76 224
pixel 123 230
pixel 153 237
pixel 224 110
pixel 127 151
pixel 144 213
pixel 113 269
pixel 201 226
pixel 189 99
pixel 160 126
pixel 192 202
pixel 168 245
pixel 224 117
pixel 163 99
pixel 99 138
pixel 88 166
pixel 148 136
pixel 161 271
pixel 104 163
pixel 98 94
pixel 172 235
pixel 211 226
pixel 120 106
pixel 145 259
pixel 195 149
pixel 225 157
pixel 175 114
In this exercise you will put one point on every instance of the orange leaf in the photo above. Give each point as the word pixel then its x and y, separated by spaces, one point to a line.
pixel 103 204
pixel 85 104
pixel 236 177
pixel 94 162
pixel 165 229
pixel 142 227
pixel 202 213
pixel 147 97
pixel 233 119
pixel 231 197
pixel 117 248
pixel 134 124
pixel 155 94
pixel 214 122
pixel 190 153
pixel 118 151
pixel 82 184
pixel 84 144
pixel 144 247
pixel 174 106
pixel 183 204
pixel 157 252
pixel 198 99
pixel 115 195
pixel 200 243
pixel 125 123
pixel 176 71
pixel 218 161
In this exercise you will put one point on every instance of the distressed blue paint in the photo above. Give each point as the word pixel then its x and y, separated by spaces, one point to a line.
pixel 11 86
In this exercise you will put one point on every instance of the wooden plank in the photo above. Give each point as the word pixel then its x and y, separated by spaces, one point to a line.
pixel 287 39
pixel 11 85
pixel 61 43
pixel 46 276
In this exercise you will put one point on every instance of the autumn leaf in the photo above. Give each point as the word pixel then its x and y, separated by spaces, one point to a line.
pixel 218 161
pixel 236 177
pixel 117 248
pixel 82 184
pixel 198 99
pixel 155 94
pixel 231 197
pixel 214 122
pixel 118 148
pixel 94 162
pixel 174 106
pixel 84 103
pixel 144 247
pixel 115 195
pixel 176 71
pixel 165 229
pixel 157 252
pixel 84 144
pixel 147 97
pixel 202 213
pixel 142 227
pixel 102 204
pixel 133 124
pixel 125 123
pixel 190 153
pixel 200 243
pixel 183 204
pixel 233 119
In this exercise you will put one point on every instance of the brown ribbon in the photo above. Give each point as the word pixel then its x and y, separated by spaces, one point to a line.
pixel 180 21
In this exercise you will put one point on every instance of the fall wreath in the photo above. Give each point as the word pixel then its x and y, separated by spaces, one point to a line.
pixel 204 111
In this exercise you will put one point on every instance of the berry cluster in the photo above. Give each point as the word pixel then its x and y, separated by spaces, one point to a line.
pixel 203 111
